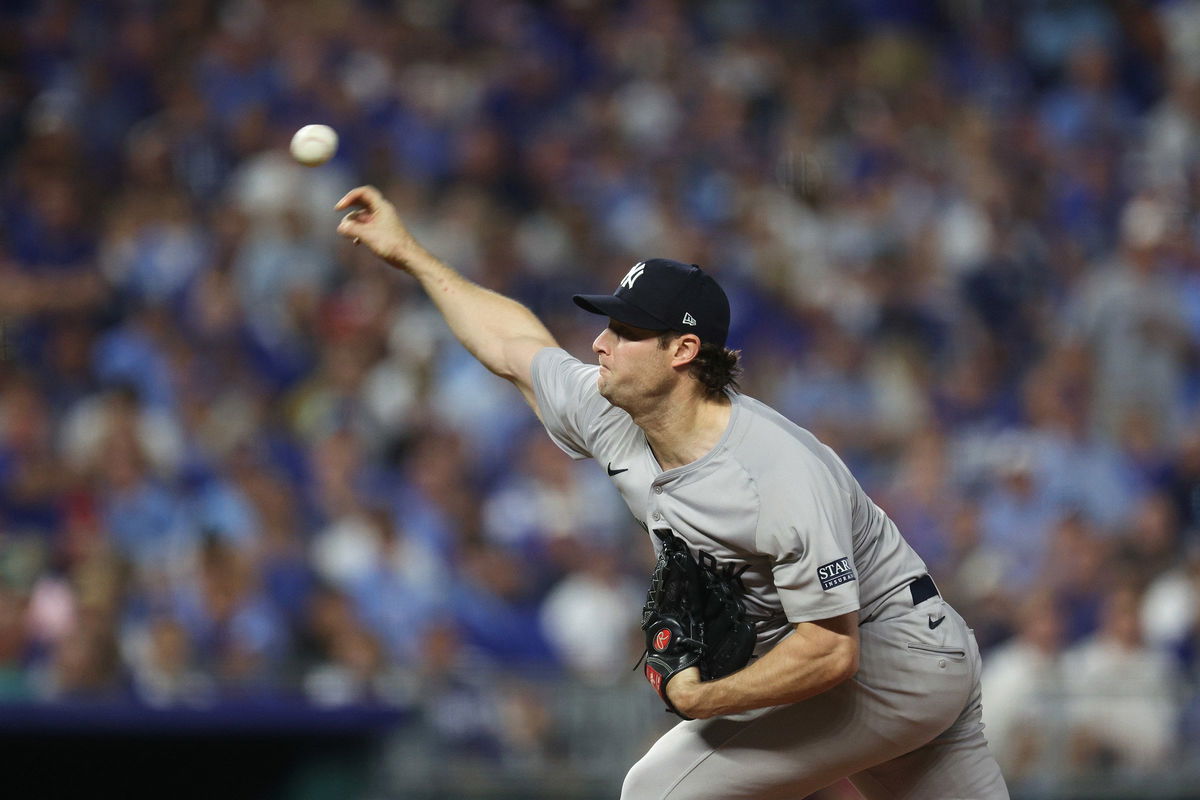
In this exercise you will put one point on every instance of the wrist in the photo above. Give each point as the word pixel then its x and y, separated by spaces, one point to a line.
pixel 686 693
pixel 419 262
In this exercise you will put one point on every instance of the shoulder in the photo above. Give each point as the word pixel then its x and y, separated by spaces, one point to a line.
pixel 795 475
pixel 769 445
pixel 570 404
pixel 555 360
pixel 561 379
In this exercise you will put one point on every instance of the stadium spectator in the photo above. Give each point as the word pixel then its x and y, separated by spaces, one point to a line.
pixel 1025 683
pixel 1123 709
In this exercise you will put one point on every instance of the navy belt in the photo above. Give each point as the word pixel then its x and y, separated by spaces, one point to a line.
pixel 922 589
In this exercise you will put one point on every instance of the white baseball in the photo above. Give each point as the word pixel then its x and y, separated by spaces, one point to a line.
pixel 313 145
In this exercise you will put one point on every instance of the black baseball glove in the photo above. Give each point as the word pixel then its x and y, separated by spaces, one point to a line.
pixel 693 617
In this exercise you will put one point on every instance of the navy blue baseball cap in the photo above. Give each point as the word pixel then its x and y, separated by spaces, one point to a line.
pixel 665 295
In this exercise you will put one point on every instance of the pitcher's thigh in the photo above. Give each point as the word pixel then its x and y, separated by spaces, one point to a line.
pixel 782 753
pixel 731 760
pixel 955 766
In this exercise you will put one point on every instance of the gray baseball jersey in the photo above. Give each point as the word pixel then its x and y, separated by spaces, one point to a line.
pixel 770 496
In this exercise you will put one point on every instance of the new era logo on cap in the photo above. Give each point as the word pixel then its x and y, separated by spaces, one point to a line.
pixel 659 294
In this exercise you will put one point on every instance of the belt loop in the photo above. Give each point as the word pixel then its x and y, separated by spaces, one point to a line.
pixel 922 589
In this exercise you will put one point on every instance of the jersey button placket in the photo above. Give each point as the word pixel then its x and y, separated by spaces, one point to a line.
pixel 657 514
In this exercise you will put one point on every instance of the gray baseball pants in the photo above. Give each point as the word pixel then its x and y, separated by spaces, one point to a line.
pixel 907 725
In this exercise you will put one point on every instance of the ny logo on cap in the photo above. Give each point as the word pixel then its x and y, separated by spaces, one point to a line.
pixel 631 277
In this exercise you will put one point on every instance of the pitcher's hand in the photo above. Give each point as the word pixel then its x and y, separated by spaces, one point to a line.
pixel 376 224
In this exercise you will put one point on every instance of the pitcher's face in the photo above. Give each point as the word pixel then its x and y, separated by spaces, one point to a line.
pixel 633 367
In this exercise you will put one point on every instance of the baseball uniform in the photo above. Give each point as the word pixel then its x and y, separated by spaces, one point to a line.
pixel 771 497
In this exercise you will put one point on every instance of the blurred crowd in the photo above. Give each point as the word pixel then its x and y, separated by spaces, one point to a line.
pixel 239 457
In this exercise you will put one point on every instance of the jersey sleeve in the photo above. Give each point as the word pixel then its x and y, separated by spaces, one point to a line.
pixel 568 401
pixel 810 541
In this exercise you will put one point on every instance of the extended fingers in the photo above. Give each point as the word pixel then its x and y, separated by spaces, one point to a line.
pixel 366 196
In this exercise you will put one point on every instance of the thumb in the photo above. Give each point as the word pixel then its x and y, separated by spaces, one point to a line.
pixel 353 223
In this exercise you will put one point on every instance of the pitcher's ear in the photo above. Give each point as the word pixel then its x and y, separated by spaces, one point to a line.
pixel 686 348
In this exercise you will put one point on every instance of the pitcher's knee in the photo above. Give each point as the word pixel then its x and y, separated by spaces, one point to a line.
pixel 646 781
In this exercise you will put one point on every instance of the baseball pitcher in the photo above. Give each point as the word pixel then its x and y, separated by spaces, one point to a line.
pixel 787 622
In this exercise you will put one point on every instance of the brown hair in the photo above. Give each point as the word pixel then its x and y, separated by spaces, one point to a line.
pixel 716 367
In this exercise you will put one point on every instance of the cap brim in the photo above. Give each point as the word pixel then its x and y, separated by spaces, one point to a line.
pixel 610 305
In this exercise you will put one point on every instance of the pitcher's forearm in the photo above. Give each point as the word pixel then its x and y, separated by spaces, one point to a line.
pixel 488 324
pixel 815 658
pixel 501 333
